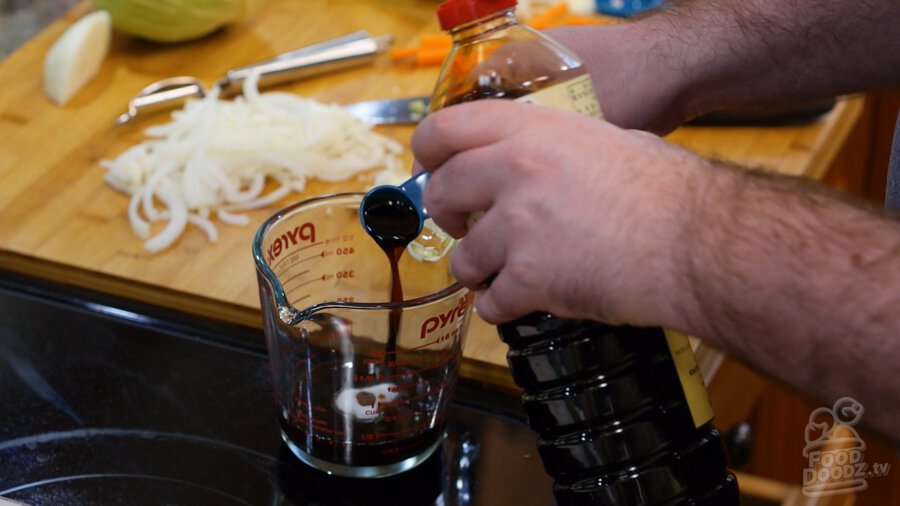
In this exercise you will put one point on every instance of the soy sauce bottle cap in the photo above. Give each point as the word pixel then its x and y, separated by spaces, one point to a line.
pixel 453 13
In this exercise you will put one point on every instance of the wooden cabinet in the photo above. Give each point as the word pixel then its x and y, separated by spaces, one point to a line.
pixel 861 166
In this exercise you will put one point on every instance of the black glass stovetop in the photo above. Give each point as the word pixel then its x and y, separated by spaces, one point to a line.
pixel 103 401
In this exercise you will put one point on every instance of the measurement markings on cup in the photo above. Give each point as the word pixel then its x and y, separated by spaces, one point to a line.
pixel 426 345
pixel 285 267
pixel 295 276
pixel 432 367
pixel 293 256
pixel 292 294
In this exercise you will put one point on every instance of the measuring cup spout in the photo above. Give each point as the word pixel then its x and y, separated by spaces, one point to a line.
pixel 288 315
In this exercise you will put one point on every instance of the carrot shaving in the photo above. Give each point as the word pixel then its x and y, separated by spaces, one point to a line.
pixel 431 55
pixel 435 40
pixel 401 54
pixel 549 17
pixel 575 20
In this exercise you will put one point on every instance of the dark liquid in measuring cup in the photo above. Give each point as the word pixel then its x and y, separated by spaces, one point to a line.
pixel 369 403
pixel 378 414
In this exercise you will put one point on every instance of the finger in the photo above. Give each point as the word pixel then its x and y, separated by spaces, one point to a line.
pixel 467 183
pixel 462 127
pixel 481 254
pixel 503 301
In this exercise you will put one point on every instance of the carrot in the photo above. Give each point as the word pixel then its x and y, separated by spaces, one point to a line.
pixel 402 54
pixel 549 17
pixel 435 40
pixel 575 20
pixel 431 50
pixel 431 55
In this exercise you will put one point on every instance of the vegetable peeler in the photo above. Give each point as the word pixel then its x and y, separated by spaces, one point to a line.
pixel 351 50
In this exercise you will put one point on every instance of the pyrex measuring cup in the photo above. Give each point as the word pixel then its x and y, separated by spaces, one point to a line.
pixel 353 399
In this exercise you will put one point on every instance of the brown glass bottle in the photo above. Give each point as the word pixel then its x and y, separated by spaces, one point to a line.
pixel 621 412
pixel 493 56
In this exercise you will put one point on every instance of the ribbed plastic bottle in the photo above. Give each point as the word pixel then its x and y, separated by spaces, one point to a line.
pixel 621 413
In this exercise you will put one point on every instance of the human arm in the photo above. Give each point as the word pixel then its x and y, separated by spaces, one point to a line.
pixel 626 228
pixel 706 55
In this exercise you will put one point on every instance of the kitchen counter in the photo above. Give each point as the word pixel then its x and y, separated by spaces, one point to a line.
pixel 60 222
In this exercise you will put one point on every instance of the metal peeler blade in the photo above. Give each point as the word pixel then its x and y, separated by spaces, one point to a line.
pixel 167 91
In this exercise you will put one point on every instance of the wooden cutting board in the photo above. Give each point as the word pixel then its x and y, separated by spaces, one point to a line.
pixel 60 221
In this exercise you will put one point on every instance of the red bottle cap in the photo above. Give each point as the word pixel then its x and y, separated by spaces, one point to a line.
pixel 453 13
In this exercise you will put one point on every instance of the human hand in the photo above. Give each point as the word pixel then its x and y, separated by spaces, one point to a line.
pixel 581 218
pixel 636 84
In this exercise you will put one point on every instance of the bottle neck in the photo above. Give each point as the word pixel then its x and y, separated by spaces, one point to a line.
pixel 483 26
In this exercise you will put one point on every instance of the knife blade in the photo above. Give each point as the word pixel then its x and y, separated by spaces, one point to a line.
pixel 397 111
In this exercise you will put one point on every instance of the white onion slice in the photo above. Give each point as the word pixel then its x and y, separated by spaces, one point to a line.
pixel 215 157
pixel 177 214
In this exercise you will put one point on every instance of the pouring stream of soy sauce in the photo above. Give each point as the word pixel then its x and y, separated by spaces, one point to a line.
pixel 393 222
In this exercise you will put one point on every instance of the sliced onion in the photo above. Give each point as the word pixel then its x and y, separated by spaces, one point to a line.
pixel 215 156
pixel 231 218
pixel 177 214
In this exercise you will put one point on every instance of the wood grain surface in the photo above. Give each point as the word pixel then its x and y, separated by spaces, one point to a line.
pixel 60 221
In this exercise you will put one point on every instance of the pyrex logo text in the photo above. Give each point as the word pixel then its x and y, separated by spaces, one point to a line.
pixel 440 321
pixel 304 232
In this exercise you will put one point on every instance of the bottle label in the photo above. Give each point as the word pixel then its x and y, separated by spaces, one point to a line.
pixel 575 95
pixel 690 377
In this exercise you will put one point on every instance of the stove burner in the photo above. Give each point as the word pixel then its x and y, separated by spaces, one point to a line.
pixel 122 461
pixel 120 465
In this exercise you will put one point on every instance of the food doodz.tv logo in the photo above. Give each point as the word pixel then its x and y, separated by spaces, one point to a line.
pixel 835 452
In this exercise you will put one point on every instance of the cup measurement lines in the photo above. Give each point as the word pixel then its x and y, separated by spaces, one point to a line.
pixel 303 285
pixel 436 365
pixel 292 258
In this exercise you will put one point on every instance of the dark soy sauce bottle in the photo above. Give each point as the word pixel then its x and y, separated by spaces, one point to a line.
pixel 621 412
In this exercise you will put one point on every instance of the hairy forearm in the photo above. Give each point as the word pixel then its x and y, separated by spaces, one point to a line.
pixel 802 284
pixel 706 55
pixel 733 53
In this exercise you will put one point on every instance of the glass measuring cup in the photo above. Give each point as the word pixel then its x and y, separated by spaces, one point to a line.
pixel 353 399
